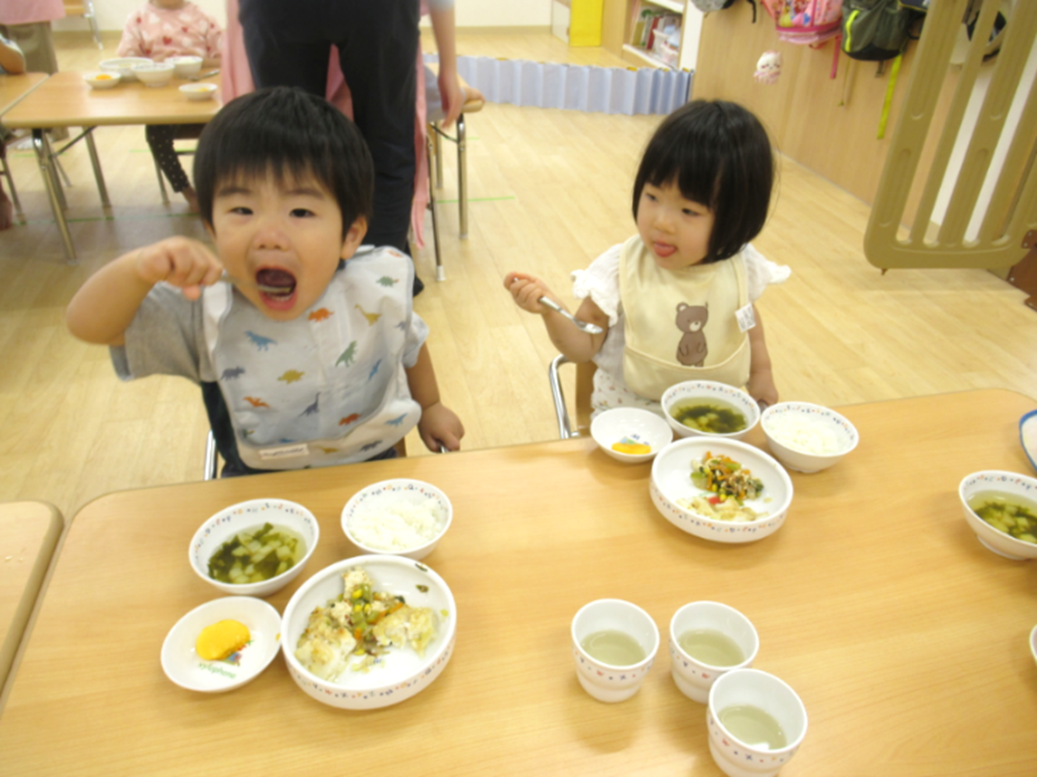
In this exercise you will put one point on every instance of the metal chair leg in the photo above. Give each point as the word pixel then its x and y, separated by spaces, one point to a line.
pixel 14 192
pixel 440 271
pixel 210 472
pixel 53 186
pixel 54 169
pixel 95 160
pixel 92 18
pixel 462 176
pixel 438 153
pixel 161 182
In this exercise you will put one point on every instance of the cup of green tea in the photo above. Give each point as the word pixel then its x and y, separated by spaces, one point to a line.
pixel 614 644
pixel 708 639
pixel 756 723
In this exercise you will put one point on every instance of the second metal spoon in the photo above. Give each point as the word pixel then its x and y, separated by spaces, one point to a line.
pixel 583 326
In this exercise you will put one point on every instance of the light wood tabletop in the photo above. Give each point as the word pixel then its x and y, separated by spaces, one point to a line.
pixel 905 638
pixel 14 87
pixel 66 100
pixel 29 533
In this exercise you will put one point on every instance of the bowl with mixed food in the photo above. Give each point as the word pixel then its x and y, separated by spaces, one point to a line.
pixel 1001 508
pixel 369 631
pixel 706 408
pixel 124 66
pixel 630 434
pixel 254 548
pixel 720 490
pixel 399 517
pixel 806 437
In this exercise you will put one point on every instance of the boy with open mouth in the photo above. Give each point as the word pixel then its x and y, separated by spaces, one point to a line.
pixel 311 355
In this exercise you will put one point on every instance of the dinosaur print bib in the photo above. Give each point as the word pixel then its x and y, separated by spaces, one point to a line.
pixel 681 324
pixel 328 387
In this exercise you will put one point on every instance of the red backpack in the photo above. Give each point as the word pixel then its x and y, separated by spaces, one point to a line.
pixel 807 22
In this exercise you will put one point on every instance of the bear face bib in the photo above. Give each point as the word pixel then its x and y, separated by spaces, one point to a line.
pixel 681 324
pixel 328 387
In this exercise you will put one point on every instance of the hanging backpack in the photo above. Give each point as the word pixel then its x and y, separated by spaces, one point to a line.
pixel 807 22
pixel 875 30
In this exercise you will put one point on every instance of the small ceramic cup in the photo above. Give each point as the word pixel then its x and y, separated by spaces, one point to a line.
pixel 729 697
pixel 605 681
pixel 696 671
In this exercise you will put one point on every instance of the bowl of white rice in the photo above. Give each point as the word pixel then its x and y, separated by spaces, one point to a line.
pixel 806 437
pixel 400 517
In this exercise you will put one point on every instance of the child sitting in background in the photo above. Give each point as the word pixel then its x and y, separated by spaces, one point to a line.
pixel 675 300
pixel 314 357
pixel 163 29
pixel 11 61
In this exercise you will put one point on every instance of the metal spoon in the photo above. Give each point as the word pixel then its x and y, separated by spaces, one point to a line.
pixel 583 326
pixel 200 76
pixel 238 282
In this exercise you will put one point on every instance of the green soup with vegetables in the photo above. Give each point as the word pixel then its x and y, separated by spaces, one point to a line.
pixel 257 554
pixel 1014 515
pixel 712 416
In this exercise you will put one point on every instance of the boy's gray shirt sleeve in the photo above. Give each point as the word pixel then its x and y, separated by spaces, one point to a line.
pixel 166 337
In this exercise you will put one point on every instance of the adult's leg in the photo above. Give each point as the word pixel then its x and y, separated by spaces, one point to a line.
pixel 378 47
pixel 286 43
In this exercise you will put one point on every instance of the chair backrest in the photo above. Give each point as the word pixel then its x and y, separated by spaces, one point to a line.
pixel 990 210
pixel 584 386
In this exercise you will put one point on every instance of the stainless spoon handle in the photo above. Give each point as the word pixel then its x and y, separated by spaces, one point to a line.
pixel 593 329
pixel 238 282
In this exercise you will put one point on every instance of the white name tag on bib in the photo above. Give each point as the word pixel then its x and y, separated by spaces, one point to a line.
pixel 284 452
pixel 745 317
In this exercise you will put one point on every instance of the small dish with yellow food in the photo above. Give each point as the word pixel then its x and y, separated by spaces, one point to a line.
pixel 630 434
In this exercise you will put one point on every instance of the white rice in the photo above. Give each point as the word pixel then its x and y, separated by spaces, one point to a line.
pixel 398 526
pixel 804 434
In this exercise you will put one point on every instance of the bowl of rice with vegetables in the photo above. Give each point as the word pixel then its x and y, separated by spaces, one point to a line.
pixel 806 437
pixel 400 517
pixel 720 490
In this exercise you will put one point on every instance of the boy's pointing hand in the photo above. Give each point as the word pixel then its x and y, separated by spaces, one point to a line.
pixel 179 261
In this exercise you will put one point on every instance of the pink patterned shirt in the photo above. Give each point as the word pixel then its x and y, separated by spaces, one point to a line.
pixel 158 33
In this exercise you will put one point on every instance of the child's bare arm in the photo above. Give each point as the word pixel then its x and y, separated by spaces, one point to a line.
pixel 575 345
pixel 103 309
pixel 761 381
pixel 11 59
pixel 438 424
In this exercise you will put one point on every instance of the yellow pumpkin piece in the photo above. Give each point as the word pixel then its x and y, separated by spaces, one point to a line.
pixel 219 640
pixel 633 448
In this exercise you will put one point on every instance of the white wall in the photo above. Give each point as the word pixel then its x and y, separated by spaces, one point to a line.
pixel 112 14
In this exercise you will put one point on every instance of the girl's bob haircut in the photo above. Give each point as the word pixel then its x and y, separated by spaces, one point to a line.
pixel 289 136
pixel 718 154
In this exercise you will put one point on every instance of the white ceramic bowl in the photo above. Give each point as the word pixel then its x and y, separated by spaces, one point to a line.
pixel 198 91
pixel 225 524
pixel 634 425
pixel 402 673
pixel 991 538
pixel 182 664
pixel 380 498
pixel 709 390
pixel 185 66
pixel 102 79
pixel 154 73
pixel 671 481
pixel 815 423
pixel 123 66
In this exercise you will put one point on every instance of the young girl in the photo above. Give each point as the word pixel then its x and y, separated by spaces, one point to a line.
pixel 163 29
pixel 676 299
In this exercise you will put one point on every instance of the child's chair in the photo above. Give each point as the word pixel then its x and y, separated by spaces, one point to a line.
pixel 5 171
pixel 584 385
pixel 86 10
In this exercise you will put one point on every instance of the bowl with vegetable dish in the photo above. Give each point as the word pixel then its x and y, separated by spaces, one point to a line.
pixel 254 548
pixel 806 437
pixel 720 490
pixel 369 631
pixel 707 408
pixel 1001 508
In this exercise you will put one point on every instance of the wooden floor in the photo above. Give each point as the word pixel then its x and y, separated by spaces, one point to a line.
pixel 549 191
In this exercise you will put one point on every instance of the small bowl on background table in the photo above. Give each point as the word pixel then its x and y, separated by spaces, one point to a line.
pixel 630 426
pixel 154 73
pixel 198 92
pixel 183 67
pixel 102 79
pixel 692 392
pixel 123 66
pixel 806 437
pixel 224 525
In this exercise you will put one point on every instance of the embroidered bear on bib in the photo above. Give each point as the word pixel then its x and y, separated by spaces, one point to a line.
pixel 692 349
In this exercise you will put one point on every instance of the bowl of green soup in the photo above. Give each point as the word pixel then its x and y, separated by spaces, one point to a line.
pixel 709 409
pixel 1001 508
pixel 254 548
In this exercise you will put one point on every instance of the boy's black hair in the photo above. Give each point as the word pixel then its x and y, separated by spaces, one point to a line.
pixel 719 155
pixel 288 134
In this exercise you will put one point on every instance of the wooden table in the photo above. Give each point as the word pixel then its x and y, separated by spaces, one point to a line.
pixel 29 533
pixel 66 100
pixel 905 638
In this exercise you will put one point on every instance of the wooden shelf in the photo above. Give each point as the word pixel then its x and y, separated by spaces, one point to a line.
pixel 669 5
pixel 644 57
